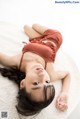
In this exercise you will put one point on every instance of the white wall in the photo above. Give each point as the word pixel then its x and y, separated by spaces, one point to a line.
pixel 63 17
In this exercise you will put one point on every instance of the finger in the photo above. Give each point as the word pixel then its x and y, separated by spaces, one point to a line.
pixel 58 99
pixel 64 108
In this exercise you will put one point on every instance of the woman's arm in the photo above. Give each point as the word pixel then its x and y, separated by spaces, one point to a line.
pixel 65 77
pixel 57 75
pixel 62 99
pixel 7 60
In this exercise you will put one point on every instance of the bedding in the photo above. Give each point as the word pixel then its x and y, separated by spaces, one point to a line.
pixel 11 38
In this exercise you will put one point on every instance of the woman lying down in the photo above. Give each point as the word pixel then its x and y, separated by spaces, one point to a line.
pixel 33 71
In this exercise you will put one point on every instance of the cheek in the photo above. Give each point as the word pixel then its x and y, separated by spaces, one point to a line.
pixel 47 76
pixel 30 77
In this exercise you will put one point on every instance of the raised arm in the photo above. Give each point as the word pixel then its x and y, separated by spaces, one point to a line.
pixel 8 60
pixel 65 77
pixel 59 75
pixel 62 99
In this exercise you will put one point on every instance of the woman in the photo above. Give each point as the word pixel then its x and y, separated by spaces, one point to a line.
pixel 33 71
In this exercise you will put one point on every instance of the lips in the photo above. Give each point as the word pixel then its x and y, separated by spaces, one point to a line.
pixel 40 71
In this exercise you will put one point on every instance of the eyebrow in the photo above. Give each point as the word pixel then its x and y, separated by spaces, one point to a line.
pixel 40 87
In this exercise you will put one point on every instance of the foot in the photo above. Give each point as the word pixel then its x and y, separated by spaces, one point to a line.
pixel 62 101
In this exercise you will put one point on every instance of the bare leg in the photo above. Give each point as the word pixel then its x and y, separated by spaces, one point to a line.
pixel 31 32
pixel 40 29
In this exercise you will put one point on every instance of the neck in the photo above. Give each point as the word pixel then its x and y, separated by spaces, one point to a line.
pixel 29 65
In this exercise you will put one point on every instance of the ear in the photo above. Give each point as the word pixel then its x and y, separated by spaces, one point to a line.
pixel 22 84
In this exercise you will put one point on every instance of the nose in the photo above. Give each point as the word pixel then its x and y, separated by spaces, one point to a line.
pixel 42 76
pixel 43 79
pixel 39 69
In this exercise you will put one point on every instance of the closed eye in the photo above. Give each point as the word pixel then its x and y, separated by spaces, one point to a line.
pixel 35 83
pixel 47 81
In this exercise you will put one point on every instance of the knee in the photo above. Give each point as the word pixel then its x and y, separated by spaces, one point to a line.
pixel 25 27
pixel 35 25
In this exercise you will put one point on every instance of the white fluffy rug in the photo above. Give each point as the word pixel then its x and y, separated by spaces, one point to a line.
pixel 11 37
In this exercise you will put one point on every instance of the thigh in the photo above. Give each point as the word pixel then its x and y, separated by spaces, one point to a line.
pixel 39 28
pixel 31 32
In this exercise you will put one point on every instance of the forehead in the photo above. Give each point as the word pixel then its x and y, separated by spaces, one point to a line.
pixel 39 94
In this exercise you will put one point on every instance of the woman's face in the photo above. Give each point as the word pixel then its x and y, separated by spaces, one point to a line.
pixel 36 79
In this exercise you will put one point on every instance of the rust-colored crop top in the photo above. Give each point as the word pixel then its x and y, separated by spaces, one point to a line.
pixel 45 46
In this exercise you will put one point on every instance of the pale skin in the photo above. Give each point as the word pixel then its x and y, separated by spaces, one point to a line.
pixel 33 65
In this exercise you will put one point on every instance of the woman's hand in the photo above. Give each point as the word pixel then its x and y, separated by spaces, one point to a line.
pixel 62 101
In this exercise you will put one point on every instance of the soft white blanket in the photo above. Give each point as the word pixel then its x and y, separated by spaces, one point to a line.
pixel 11 37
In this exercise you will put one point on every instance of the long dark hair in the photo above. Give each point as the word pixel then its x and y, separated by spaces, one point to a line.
pixel 26 106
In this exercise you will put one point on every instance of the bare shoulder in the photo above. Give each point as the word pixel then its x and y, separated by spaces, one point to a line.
pixel 49 66
pixel 56 75
pixel 51 71
pixel 16 59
